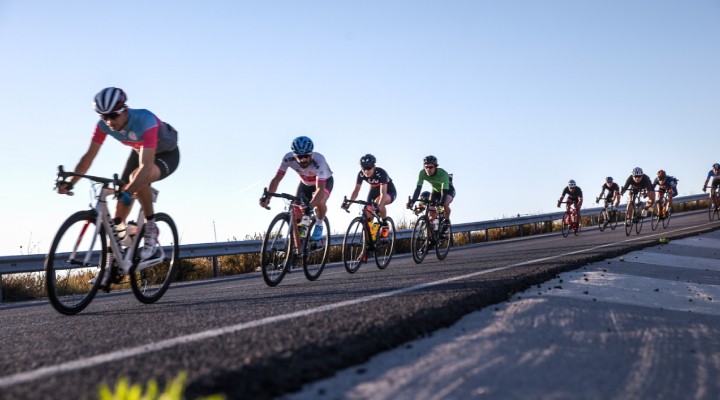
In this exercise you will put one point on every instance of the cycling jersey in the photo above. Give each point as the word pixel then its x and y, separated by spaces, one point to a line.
pixel 377 179
pixel 645 183
pixel 440 183
pixel 317 170
pixel 143 130
pixel 574 196
pixel 713 178
pixel 610 190
pixel 670 184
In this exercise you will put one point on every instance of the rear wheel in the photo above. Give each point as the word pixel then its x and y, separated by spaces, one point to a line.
pixel 354 245
pixel 385 245
pixel 150 279
pixel 419 243
pixel 71 280
pixel 277 249
pixel 444 240
pixel 316 251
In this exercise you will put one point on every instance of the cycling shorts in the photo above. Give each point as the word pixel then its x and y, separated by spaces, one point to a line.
pixel 307 191
pixel 374 193
pixel 167 162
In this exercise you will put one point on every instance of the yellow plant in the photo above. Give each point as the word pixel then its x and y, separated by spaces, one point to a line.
pixel 126 391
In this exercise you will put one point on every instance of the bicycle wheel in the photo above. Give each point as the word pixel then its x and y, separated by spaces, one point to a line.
pixel 315 252
pixel 711 209
pixel 565 225
pixel 385 246
pixel 150 279
pixel 613 219
pixel 71 281
pixel 603 220
pixel 277 249
pixel 639 222
pixel 628 224
pixel 655 218
pixel 354 245
pixel 668 213
pixel 442 247
pixel 419 242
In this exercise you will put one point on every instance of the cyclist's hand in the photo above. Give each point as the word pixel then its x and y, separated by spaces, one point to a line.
pixel 125 198
pixel 345 206
pixel 558 205
pixel 409 205
pixel 704 189
pixel 264 201
pixel 64 187
pixel 597 200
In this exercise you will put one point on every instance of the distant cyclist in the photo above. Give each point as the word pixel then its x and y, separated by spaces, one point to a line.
pixel 443 191
pixel 613 193
pixel 316 181
pixel 382 189
pixel 154 156
pixel 574 196
pixel 666 185
pixel 636 182
pixel 714 175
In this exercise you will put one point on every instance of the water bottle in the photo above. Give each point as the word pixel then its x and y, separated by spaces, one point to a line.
pixel 374 230
pixel 436 224
pixel 303 225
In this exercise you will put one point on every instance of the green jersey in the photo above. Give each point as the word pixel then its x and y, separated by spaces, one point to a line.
pixel 439 181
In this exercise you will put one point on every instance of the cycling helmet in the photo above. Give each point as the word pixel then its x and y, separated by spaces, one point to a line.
pixel 109 100
pixel 716 166
pixel 571 183
pixel 637 171
pixel 430 160
pixel 661 174
pixel 609 179
pixel 302 145
pixel 425 195
pixel 367 161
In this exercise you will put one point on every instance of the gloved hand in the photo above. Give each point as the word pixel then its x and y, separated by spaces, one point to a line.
pixel 125 198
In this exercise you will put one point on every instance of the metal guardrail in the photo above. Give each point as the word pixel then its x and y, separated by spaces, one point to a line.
pixel 35 262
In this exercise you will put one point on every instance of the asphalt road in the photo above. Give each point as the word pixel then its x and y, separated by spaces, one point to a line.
pixel 239 337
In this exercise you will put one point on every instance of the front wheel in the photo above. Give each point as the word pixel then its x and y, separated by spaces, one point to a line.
pixel 442 247
pixel 150 279
pixel 385 244
pixel 603 220
pixel 419 242
pixel 668 214
pixel 74 264
pixel 712 211
pixel 315 253
pixel 566 225
pixel 640 219
pixel 629 224
pixel 353 247
pixel 655 218
pixel 613 214
pixel 276 251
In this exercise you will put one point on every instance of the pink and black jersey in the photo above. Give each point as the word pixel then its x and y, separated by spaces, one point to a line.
pixel 143 130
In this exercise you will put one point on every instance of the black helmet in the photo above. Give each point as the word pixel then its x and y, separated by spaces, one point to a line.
pixel 367 161
pixel 430 160
pixel 425 195
pixel 609 179
pixel 716 166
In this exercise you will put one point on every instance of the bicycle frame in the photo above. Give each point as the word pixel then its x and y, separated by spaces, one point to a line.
pixel 570 219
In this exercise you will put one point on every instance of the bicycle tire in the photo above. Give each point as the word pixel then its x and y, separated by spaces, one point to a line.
pixel 655 218
pixel 71 285
pixel 711 209
pixel 419 243
pixel 639 223
pixel 354 245
pixel 315 252
pixel 628 227
pixel 603 220
pixel 668 214
pixel 385 247
pixel 442 247
pixel 151 283
pixel 565 225
pixel 277 249
pixel 613 219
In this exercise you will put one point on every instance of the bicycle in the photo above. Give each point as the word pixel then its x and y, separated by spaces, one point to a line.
pixel 637 218
pixel 288 242
pixel 662 212
pixel 714 207
pixel 608 215
pixel 570 220
pixel 366 235
pixel 425 233
pixel 80 248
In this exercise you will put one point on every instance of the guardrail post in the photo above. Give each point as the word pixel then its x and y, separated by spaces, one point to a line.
pixel 216 267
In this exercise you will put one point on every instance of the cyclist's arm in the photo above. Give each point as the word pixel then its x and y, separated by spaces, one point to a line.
pixel 275 182
pixel 355 192
pixel 415 195
pixel 86 160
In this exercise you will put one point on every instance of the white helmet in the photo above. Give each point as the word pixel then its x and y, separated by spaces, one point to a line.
pixel 637 171
pixel 109 100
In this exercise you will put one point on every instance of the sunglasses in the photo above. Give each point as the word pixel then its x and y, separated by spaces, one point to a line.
pixel 366 169
pixel 302 157
pixel 113 114
pixel 429 167
pixel 637 176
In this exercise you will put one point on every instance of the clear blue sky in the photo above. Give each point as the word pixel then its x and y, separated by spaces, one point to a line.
pixel 513 97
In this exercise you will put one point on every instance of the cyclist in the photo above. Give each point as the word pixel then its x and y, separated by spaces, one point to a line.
pixel 316 180
pixel 574 196
pixel 713 174
pixel 613 193
pixel 154 156
pixel 443 190
pixel 636 182
pixel 667 184
pixel 382 189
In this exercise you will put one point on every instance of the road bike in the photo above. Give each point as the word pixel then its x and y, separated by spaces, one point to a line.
pixel 367 235
pixel 637 219
pixel 570 220
pixel 288 243
pixel 75 264
pixel 662 212
pixel 429 232
pixel 608 216
pixel 714 207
